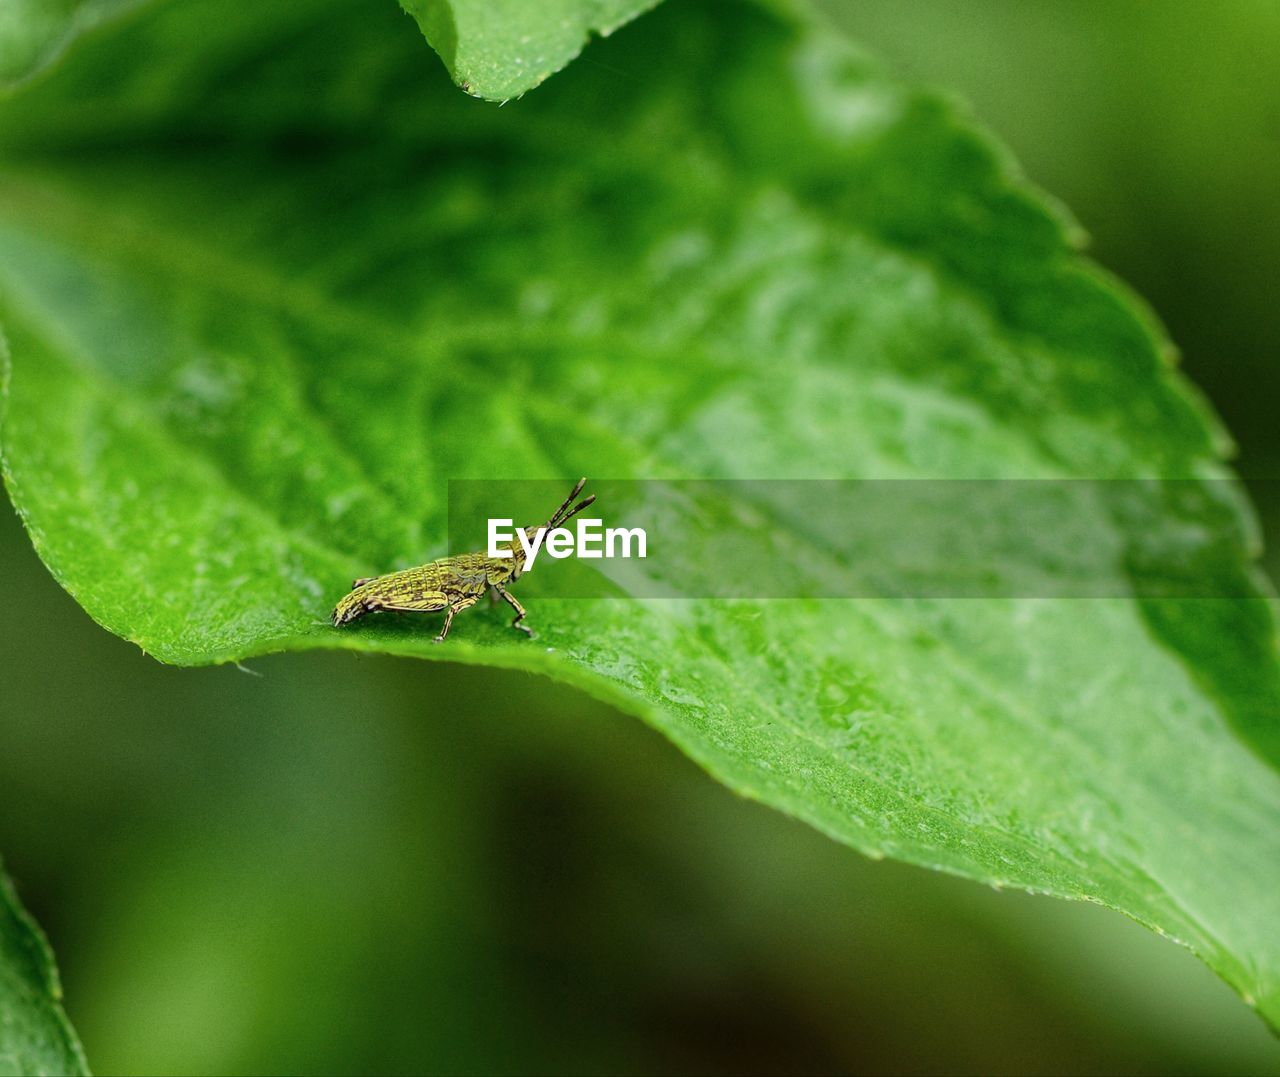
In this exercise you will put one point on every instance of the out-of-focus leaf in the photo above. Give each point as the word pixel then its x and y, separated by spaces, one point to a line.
pixel 498 49
pixel 35 1036
pixel 262 302
pixel 34 32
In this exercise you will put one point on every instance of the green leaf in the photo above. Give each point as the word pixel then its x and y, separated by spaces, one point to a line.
pixel 34 32
pixel 494 49
pixel 35 1036
pixel 498 49
pixel 264 299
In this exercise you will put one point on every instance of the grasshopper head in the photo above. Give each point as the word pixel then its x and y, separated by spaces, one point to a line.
pixel 565 512
pixel 560 516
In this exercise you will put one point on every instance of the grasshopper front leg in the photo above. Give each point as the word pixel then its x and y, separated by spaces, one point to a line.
pixel 520 611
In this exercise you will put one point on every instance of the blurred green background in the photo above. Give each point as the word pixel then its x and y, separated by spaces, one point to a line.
pixel 345 864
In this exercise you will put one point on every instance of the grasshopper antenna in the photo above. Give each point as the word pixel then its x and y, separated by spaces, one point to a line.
pixel 564 513
pixel 576 509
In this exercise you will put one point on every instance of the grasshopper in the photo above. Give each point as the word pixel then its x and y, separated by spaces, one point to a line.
pixel 452 584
